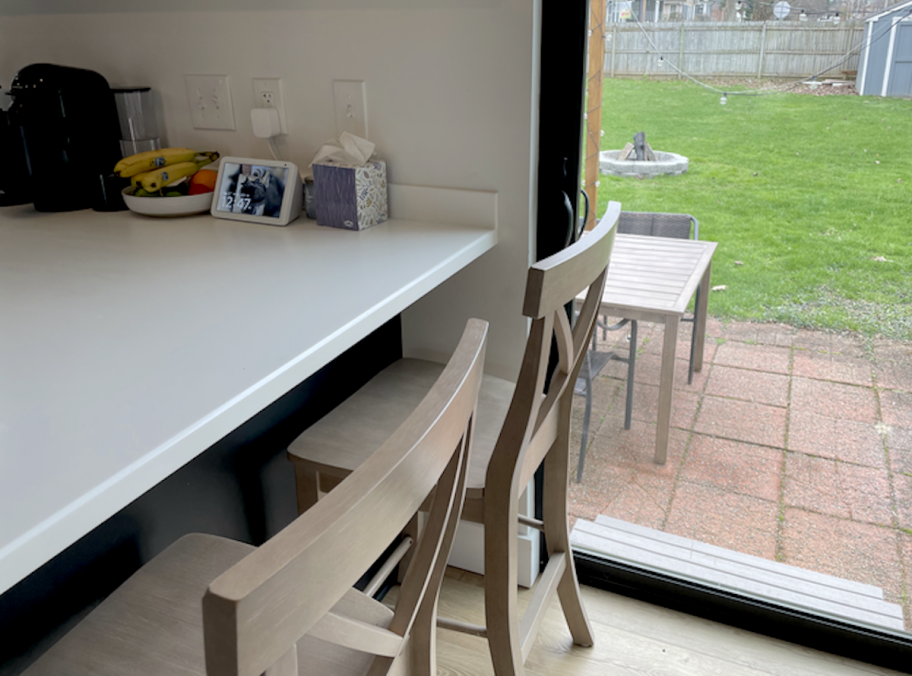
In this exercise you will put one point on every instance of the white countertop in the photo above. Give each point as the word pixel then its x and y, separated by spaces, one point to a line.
pixel 129 345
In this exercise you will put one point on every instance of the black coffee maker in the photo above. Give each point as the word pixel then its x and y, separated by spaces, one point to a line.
pixel 69 126
pixel 15 186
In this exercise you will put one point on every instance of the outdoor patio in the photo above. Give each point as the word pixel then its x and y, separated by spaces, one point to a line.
pixel 792 445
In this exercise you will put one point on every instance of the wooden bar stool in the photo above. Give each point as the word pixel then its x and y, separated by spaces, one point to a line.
pixel 209 605
pixel 518 428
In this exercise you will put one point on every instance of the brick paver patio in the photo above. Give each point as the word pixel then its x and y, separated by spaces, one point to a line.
pixel 792 445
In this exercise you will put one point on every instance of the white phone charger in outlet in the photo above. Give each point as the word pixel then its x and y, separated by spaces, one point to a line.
pixel 265 122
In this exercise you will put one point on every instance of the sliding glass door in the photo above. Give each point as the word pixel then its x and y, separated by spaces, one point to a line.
pixel 782 505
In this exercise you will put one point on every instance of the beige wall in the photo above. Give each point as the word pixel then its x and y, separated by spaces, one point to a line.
pixel 451 99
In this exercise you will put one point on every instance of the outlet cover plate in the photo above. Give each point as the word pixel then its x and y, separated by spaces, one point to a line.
pixel 273 85
pixel 351 107
pixel 210 102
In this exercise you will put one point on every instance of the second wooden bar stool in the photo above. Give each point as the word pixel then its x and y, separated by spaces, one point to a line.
pixel 518 428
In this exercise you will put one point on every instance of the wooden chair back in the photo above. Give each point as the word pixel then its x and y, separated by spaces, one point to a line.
pixel 531 424
pixel 256 612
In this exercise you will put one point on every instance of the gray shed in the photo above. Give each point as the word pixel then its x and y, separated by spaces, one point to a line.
pixel 886 56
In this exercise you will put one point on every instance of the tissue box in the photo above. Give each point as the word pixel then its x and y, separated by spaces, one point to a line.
pixel 348 196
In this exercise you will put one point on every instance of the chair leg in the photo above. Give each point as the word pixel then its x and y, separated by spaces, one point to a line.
pixel 501 613
pixel 557 540
pixel 586 419
pixel 693 338
pixel 631 373
pixel 423 642
pixel 307 486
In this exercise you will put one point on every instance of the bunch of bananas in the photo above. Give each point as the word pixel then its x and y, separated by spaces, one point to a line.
pixel 154 169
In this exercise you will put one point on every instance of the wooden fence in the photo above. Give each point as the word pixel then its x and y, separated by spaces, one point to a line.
pixel 781 49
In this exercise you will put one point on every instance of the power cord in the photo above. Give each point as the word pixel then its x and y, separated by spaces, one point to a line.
pixel 273 148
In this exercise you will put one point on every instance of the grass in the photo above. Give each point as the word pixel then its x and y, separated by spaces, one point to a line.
pixel 803 193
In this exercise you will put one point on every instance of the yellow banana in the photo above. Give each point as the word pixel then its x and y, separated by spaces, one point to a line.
pixel 125 162
pixel 154 159
pixel 148 154
pixel 158 178
pixel 136 181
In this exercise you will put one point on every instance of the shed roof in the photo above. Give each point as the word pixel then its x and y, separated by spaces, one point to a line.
pixel 889 10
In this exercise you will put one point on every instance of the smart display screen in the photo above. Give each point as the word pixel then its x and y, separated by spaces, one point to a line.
pixel 253 189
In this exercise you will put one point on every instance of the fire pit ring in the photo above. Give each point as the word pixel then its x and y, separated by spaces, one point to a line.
pixel 665 164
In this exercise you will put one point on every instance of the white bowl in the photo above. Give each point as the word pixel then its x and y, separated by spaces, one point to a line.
pixel 185 205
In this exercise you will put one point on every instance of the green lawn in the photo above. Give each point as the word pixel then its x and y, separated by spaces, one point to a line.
pixel 806 192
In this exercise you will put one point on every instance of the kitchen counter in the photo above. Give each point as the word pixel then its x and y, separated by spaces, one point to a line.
pixel 129 345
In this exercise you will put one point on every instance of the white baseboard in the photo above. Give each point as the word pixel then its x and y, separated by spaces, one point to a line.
pixel 468 547
pixel 468 552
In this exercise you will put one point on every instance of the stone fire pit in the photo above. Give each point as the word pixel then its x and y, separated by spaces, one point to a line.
pixel 651 163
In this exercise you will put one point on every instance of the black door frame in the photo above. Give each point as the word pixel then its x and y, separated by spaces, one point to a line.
pixel 560 132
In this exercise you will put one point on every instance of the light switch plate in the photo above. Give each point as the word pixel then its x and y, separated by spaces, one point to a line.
pixel 267 93
pixel 351 107
pixel 210 102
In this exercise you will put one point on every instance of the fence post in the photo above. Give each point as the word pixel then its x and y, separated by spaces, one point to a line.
pixel 681 51
pixel 850 33
pixel 614 41
pixel 762 51
pixel 596 78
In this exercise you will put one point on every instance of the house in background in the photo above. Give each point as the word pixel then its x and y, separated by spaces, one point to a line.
pixel 658 10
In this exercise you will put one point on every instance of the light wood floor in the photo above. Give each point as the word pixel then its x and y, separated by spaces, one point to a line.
pixel 632 639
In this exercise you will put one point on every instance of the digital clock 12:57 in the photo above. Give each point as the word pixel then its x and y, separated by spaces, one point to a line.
pixel 229 202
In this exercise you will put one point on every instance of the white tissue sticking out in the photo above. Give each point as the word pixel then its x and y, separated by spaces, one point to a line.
pixel 348 149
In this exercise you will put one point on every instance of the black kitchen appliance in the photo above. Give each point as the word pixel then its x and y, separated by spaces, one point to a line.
pixel 15 187
pixel 69 126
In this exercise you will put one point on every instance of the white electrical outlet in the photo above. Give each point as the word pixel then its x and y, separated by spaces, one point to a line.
pixel 267 93
pixel 351 107
pixel 210 102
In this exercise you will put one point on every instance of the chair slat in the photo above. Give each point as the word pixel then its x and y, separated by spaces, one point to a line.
pixel 541 598
pixel 677 226
pixel 353 633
